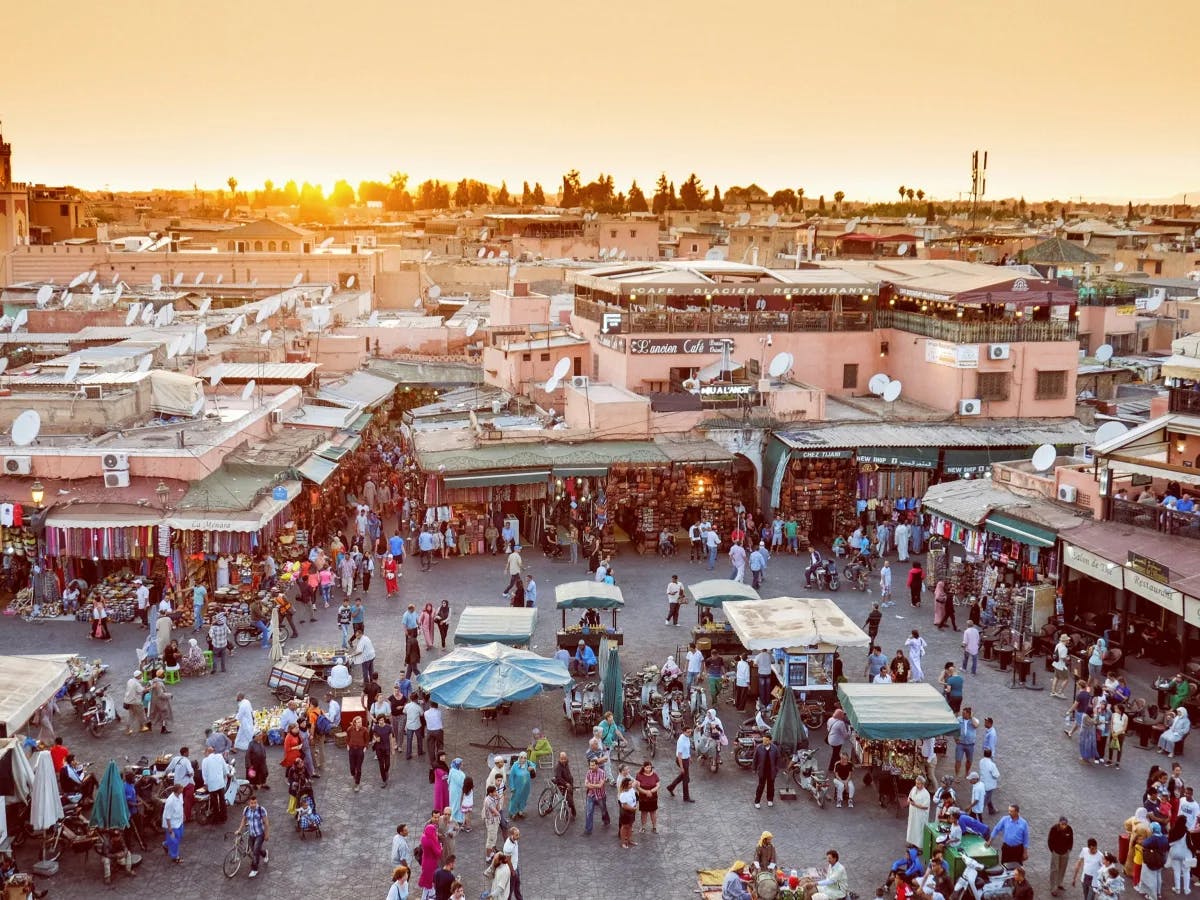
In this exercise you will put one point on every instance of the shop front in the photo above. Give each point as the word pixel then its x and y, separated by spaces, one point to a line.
pixel 892 480
pixel 817 490
pixel 473 500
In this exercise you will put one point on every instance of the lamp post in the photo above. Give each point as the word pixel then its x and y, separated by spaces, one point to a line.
pixel 37 492
pixel 162 491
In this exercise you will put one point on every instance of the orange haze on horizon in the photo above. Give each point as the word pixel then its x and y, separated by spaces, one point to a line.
pixel 1093 99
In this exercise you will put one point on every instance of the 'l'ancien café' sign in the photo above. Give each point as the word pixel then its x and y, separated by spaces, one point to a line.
pixel 653 346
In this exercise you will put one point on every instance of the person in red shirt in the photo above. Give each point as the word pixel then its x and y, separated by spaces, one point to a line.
pixel 58 753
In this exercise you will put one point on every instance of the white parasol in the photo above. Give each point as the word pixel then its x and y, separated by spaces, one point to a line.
pixel 45 805
pixel 276 646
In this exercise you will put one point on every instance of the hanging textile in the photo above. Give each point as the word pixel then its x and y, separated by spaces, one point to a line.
pixel 126 542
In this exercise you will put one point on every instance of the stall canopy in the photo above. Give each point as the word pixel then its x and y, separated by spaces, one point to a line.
pixel 359 389
pixel 500 624
pixel 317 469
pixel 881 712
pixel 588 595
pixel 1019 530
pixel 486 676
pixel 26 682
pixel 792 622
pixel 174 393
pixel 716 591
pixel 252 519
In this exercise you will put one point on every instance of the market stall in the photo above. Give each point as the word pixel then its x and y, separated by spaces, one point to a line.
pixel 804 635
pixel 319 660
pixel 590 596
pixel 501 624
pixel 26 682
pixel 709 633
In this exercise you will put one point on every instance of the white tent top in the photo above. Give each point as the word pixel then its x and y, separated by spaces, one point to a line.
pixel 793 622
pixel 26 682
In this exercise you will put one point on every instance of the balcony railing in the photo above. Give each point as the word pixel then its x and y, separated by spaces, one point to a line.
pixel 959 331
pixel 1157 518
pixel 721 321
pixel 1184 400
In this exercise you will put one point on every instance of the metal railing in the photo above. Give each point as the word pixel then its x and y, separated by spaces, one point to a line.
pixel 1184 400
pixel 1156 518
pixel 722 321
pixel 960 331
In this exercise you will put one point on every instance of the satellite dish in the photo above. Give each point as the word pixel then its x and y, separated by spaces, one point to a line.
pixel 198 405
pixel 891 393
pixel 779 365
pixel 1109 431
pixel 201 341
pixel 472 327
pixel 483 234
pixel 712 254
pixel 145 362
pixel 326 243
pixel 3 364
pixel 96 292
pixel 1104 353
pixel 417 304
pixel 21 319
pixel 434 291
pixel 68 297
pixel 1044 456
pixel 512 271
pixel 116 277
pixel 72 371
pixel 133 313
pixel 603 254
pixel 261 315
pixel 491 254
pixel 850 226
pixel 902 249
pixel 169 313
pixel 160 317
pixel 173 346
pixel 220 278
pixel 248 390
pixel 551 386
pixel 178 279
pixel 373 319
pixel 148 313
pixel 265 338
pixel 120 290
pixel 878 383
pixel 299 278
pixel 744 219
pixel 79 279
pixel 327 293
pixel 1154 302
pixel 237 324
pixel 156 282
pixel 561 368
pixel 504 254
pixel 25 428
pixel 320 316
pixel 45 292
pixel 482 252
pixel 1118 267
pixel 204 305
pixel 185 343
pixel 350 281
pixel 92 276
pixel 199 278
pixel 621 255
pixel 496 407
pixel 215 378
pixel 772 220
pixel 428 256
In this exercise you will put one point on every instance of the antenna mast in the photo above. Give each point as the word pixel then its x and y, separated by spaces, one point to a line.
pixel 978 184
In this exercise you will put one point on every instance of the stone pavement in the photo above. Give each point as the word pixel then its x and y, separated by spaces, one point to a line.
pixel 1040 768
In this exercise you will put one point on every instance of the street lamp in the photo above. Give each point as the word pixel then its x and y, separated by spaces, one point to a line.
pixel 37 491
pixel 162 490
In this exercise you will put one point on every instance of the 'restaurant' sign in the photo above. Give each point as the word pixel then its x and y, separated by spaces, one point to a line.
pixel 656 347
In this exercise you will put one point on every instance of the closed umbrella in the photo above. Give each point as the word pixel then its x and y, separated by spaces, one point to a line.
pixel 788 731
pixel 109 809
pixel 612 697
pixel 20 783
pixel 45 806
pixel 276 646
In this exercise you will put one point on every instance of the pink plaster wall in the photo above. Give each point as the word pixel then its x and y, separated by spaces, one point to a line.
pixel 1098 321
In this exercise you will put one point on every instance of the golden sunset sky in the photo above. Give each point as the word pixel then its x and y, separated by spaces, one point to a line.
pixel 1098 98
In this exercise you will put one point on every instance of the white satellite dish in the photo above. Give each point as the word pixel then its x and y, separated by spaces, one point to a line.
pixel 201 341
pixel 169 313
pixel 1154 302
pixel 199 278
pixel 1118 267
pixel 603 254
pixel 3 364
pixel 92 276
pixel 160 317
pixel 561 368
pixel 249 389
pixel 434 291
pixel 1109 431
pixel 96 292
pixel 891 393
pixel 220 278
pixel 178 279
pixel 320 316
pixel 491 254
pixel 299 278
pixel 261 315
pixel 551 386
pixel 237 324
pixel 474 420
pixel 148 313
pixel 878 383
pixel 116 277
pixel 265 338
pixel 25 428
pixel 779 364
pixel 68 298
pixel 504 254
pixel 744 219
pixel 472 327
pixel 327 293
pixel 902 249
pixel 215 378
pixel 156 282
pixel 850 226
pixel 79 279
pixel 72 371
pixel 417 304
pixel 198 406
pixel 117 295
pixel 373 319
pixel 481 253
pixel 134 311
pixel 712 254
pixel 45 292
pixel 483 234
pixel 204 305
pixel 21 320
pixel 350 281
pixel 1104 352
pixel 621 255
pixel 1044 456
pixel 145 362
pixel 185 343
pixel 772 220
pixel 512 271
pixel 428 256
pixel 173 346
pixel 325 243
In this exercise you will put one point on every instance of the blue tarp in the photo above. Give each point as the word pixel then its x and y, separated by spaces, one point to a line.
pixel 488 675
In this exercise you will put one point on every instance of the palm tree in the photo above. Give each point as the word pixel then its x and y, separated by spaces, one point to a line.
pixel 800 199
pixel 233 183
pixel 910 193
pixel 920 194
pixel 903 190
pixel 838 197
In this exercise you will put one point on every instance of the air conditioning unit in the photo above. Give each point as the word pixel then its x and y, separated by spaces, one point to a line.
pixel 277 417
pixel 92 392
pixel 1067 493
pixel 998 351
pixel 115 462
pixel 18 465
pixel 116 479
pixel 764 385
pixel 970 407
pixel 579 381
pixel 1083 451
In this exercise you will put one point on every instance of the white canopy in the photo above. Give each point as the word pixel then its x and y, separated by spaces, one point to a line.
pixel 26 682
pixel 792 622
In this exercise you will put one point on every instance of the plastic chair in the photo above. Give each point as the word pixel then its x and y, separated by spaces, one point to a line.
pixel 208 658
pixel 171 676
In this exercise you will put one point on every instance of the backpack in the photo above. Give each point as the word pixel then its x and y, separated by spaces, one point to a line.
pixel 323 725
pixel 1152 858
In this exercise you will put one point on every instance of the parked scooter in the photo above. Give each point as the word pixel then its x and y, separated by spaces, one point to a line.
pixel 809 777
pixel 826 576
pixel 99 711
pixel 977 882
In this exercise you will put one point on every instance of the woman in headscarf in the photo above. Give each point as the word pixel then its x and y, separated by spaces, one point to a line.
pixel 193 662
pixel 1137 827
pixel 441 784
pixel 245 720
pixel 918 812
pixel 764 853
pixel 425 624
pixel 389 575
pixel 1088 750
pixel 670 678
pixel 442 620
pixel 519 780
pixel 431 855
pixel 712 725
pixel 1177 730
pixel 1096 660
pixel 457 778
pixel 939 604
pixel 915 647
pixel 99 628
pixel 161 713
pixel 1151 878
pixel 162 632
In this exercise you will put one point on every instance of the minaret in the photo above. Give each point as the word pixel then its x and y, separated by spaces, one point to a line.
pixel 5 161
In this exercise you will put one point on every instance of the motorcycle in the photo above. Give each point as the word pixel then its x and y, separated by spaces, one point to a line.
pixel 809 777
pixel 856 576
pixel 245 635
pixel 747 742
pixel 977 882
pixel 650 733
pixel 707 744
pixel 99 711
pixel 826 576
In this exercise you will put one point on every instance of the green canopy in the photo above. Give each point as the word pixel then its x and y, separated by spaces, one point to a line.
pixel 613 695
pixel 716 591
pixel 912 711
pixel 588 595
pixel 788 731
pixel 109 809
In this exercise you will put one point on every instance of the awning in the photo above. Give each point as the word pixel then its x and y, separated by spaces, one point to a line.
pixel 581 471
pixel 317 468
pixel 1019 530
pixel 588 595
pixel 504 624
pixel 25 684
pixel 494 479
pixel 716 591
pixel 360 424
pixel 358 389
pixel 252 519
pixel 793 622
pixel 1181 367
pixel 906 457
pixel 910 711
pixel 101 515
pixel 971 462
pixel 331 452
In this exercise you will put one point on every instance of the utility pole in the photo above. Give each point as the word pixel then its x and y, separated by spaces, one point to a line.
pixel 978 184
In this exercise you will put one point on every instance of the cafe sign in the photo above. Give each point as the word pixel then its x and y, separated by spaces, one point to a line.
pixel 1151 568
pixel 955 356
pixel 1156 592
pixel 657 347
pixel 1094 566
pixel 726 390
pixel 743 290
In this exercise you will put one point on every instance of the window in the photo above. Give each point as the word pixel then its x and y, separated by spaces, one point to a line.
pixel 695 247
pixel 850 375
pixel 545 357
pixel 64 210
pixel 633 232
pixel 258 245
pixel 526 357
pixel 270 246
pixel 286 246
pixel 992 386
pixel 613 233
pixel 1051 385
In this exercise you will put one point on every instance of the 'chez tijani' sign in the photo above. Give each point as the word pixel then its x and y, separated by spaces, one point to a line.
pixel 655 347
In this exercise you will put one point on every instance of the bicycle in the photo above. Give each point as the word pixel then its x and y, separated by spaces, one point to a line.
pixel 239 851
pixel 555 799
pixel 622 751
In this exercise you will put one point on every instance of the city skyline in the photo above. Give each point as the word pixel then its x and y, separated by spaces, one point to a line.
pixel 888 93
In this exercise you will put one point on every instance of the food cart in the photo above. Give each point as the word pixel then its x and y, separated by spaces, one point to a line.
pixel 319 660
pixel 710 634
pixel 508 625
pixel 289 680
pixel 588 595
pixel 803 634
